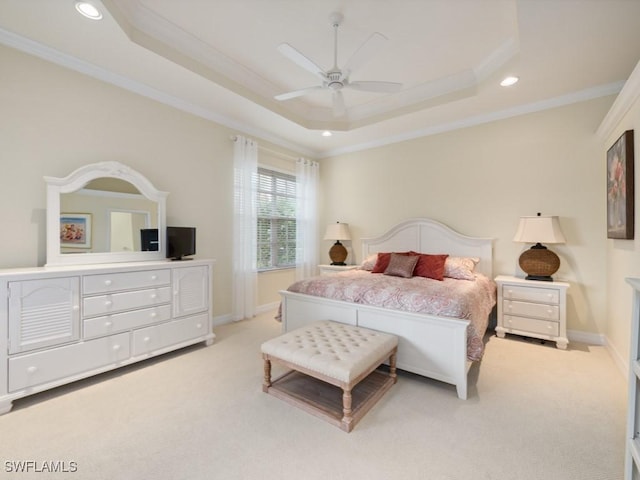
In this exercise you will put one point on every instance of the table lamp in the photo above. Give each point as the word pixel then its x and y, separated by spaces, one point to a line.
pixel 338 231
pixel 539 263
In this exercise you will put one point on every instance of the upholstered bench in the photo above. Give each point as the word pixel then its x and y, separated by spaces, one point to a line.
pixel 324 355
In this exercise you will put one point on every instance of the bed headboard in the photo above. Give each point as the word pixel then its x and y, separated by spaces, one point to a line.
pixel 429 236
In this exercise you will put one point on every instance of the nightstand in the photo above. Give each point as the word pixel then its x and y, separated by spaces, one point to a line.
pixel 533 309
pixel 333 269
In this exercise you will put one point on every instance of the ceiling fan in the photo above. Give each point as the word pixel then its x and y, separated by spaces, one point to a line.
pixel 336 78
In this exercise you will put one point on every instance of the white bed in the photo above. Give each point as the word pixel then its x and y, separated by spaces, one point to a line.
pixel 431 346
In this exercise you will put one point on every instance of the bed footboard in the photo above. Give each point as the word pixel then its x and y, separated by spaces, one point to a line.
pixel 434 347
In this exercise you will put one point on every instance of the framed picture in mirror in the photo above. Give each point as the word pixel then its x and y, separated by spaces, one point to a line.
pixel 75 230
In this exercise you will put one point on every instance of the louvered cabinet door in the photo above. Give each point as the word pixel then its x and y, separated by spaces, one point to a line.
pixel 190 290
pixel 43 313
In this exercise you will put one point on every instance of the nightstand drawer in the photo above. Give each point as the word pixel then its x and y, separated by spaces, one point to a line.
pixel 531 294
pixel 531 325
pixel 537 310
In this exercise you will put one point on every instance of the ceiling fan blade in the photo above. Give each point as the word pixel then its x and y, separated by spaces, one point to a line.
pixel 302 61
pixel 366 51
pixel 339 108
pixel 297 93
pixel 382 87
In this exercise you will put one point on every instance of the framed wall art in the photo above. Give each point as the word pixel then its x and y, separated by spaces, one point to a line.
pixel 620 188
pixel 75 230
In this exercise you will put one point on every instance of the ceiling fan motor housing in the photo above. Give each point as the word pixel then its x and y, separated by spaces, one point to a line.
pixel 334 81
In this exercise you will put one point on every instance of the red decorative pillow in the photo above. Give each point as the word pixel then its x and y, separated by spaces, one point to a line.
pixel 383 261
pixel 430 266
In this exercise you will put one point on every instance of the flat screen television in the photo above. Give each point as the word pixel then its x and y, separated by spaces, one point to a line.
pixel 181 242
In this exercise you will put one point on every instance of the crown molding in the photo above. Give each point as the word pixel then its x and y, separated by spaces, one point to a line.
pixel 576 97
pixel 629 95
pixel 52 55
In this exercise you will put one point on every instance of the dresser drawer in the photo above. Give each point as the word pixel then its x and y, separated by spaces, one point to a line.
pixel 113 282
pixel 531 325
pixel 57 363
pixel 531 294
pixel 537 310
pixel 118 322
pixel 149 339
pixel 115 302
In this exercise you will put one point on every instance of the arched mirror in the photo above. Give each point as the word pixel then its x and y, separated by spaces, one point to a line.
pixel 102 213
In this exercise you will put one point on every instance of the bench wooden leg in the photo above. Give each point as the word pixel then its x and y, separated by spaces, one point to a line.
pixel 266 383
pixel 346 410
pixel 392 367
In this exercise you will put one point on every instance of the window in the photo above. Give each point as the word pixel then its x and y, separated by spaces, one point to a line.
pixel 276 198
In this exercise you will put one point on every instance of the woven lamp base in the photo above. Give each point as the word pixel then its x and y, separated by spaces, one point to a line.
pixel 539 263
pixel 338 254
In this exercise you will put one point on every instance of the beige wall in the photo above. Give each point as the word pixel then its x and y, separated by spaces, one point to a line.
pixel 623 256
pixel 55 120
pixel 480 180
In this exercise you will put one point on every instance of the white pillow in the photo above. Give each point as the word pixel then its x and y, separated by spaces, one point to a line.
pixel 460 268
pixel 369 262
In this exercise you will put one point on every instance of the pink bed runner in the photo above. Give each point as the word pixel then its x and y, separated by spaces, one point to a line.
pixel 469 300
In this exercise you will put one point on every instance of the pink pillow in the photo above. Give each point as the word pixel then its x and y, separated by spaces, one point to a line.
pixel 383 261
pixel 401 265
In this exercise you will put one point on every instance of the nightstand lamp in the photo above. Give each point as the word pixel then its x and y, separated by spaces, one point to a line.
pixel 539 263
pixel 338 231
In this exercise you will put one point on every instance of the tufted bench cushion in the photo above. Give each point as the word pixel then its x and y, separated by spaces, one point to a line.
pixel 339 351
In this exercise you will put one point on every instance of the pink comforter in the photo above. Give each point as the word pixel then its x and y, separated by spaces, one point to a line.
pixel 469 300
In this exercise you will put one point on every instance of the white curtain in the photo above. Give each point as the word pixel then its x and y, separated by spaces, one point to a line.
pixel 307 178
pixel 245 277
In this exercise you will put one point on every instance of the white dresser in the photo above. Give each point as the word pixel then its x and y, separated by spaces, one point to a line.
pixel 532 308
pixel 61 324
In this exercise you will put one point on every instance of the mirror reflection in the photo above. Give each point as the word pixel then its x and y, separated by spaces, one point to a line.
pixel 107 215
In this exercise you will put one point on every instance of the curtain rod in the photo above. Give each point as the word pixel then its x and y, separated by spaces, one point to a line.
pixel 274 152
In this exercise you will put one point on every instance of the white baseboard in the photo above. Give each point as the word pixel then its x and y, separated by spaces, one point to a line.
pixel 600 339
pixel 267 307
pixel 228 318
pixel 586 337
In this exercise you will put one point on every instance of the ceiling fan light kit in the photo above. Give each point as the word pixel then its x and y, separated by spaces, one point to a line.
pixel 336 79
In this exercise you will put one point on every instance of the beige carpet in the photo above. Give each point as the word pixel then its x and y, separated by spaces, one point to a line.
pixel 534 412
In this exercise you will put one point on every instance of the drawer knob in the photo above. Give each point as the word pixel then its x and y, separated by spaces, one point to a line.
pixel 108 324
pixel 108 303
pixel 154 314
pixel 32 369
pixel 116 348
pixel 199 326
pixel 154 277
pixel 146 339
pixel 154 296
pixel 107 283
pixel 76 308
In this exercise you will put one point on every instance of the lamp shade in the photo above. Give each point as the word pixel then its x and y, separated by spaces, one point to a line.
pixel 539 229
pixel 539 262
pixel 338 231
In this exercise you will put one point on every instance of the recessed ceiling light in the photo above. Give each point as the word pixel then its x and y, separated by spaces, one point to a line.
pixel 326 133
pixel 88 10
pixel 508 81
